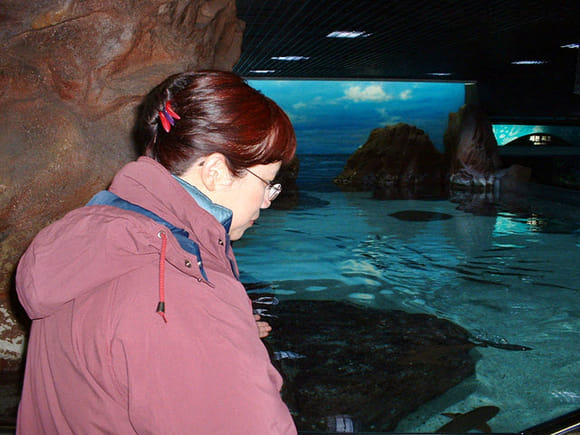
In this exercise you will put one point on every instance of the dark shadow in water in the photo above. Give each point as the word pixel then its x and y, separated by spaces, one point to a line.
pixel 309 201
pixel 435 192
pixel 376 366
pixel 420 216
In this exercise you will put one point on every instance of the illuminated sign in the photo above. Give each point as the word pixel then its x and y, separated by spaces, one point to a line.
pixel 540 139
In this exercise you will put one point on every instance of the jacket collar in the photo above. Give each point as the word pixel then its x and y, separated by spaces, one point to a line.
pixel 222 214
pixel 149 184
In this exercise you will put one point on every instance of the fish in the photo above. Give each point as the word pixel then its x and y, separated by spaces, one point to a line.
pixel 420 216
pixel 476 419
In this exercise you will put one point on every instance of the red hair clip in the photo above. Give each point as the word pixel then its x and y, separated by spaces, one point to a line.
pixel 168 117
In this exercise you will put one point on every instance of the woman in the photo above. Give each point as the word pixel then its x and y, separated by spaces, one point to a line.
pixel 140 324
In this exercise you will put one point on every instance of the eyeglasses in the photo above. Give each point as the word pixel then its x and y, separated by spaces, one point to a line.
pixel 272 189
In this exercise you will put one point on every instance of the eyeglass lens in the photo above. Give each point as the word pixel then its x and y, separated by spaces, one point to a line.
pixel 272 189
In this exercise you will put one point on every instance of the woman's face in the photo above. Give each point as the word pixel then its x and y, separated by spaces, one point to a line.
pixel 247 196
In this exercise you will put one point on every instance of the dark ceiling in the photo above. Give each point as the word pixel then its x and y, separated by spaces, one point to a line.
pixel 471 40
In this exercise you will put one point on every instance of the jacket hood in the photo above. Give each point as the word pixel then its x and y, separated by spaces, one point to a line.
pixel 92 246
pixel 80 253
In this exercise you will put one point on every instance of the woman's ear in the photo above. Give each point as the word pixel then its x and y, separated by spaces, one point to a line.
pixel 215 173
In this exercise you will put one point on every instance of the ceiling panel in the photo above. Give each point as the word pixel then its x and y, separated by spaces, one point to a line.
pixel 467 40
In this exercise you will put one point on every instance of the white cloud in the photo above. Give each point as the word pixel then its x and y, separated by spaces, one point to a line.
pixel 374 93
pixel 298 117
pixel 299 105
pixel 406 95
pixel 387 118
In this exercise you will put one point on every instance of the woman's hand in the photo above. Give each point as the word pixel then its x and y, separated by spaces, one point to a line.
pixel 263 327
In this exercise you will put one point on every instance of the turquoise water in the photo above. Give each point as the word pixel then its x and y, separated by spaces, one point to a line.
pixel 510 276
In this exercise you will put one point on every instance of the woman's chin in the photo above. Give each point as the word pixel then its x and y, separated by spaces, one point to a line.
pixel 236 235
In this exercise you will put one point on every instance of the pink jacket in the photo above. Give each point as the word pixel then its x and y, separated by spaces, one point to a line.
pixel 101 360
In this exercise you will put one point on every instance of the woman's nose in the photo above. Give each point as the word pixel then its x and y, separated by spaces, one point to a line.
pixel 266 202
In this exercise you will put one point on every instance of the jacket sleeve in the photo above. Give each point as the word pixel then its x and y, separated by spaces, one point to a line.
pixel 205 371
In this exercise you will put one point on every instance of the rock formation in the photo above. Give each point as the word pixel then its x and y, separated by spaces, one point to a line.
pixel 471 150
pixel 400 161
pixel 287 177
pixel 71 75
pixel 399 158
pixel 552 160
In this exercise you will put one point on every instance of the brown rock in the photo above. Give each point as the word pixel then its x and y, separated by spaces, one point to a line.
pixel 287 177
pixel 400 156
pixel 471 149
pixel 71 75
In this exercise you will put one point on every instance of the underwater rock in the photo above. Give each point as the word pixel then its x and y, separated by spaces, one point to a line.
pixel 400 158
pixel 515 178
pixel 374 366
pixel 553 170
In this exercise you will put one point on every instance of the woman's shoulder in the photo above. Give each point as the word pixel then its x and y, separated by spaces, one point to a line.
pixel 97 225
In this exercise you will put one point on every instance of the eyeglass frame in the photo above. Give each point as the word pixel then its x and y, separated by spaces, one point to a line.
pixel 272 189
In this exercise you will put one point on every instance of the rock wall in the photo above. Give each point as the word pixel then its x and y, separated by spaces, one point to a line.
pixel 71 75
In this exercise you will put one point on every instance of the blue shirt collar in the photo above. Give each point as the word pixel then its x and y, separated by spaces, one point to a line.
pixel 222 214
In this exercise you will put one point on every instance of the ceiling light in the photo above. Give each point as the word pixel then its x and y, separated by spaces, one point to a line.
pixel 529 62
pixel 347 34
pixel 440 74
pixel 574 45
pixel 290 58
pixel 263 71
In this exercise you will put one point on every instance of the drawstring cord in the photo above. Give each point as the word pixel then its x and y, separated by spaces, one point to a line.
pixel 161 304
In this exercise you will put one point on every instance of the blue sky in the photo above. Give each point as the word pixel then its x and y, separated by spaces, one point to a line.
pixel 338 116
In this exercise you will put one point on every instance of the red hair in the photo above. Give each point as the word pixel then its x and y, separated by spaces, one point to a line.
pixel 219 112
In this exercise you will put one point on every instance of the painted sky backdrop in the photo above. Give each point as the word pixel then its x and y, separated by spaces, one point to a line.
pixel 337 116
